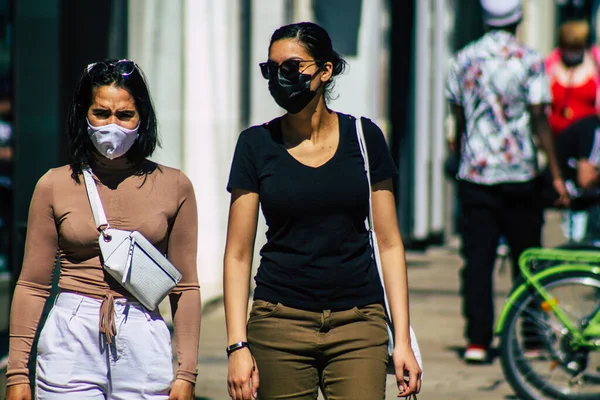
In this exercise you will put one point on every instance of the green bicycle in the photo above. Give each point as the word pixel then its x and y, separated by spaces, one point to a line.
pixel 550 326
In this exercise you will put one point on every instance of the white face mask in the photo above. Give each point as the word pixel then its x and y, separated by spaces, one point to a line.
pixel 112 141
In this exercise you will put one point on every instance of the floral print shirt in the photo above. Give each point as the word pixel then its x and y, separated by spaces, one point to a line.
pixel 494 80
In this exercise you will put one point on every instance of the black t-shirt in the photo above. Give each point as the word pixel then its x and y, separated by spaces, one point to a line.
pixel 317 255
pixel 581 140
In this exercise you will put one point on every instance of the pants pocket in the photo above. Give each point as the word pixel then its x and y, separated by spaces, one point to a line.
pixel 263 309
pixel 371 312
pixel 160 357
pixel 56 347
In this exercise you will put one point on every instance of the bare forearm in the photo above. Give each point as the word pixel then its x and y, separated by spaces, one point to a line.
pixel 393 264
pixel 459 128
pixel 236 286
pixel 6 154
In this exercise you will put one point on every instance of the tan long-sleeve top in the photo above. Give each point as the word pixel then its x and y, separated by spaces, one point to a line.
pixel 160 204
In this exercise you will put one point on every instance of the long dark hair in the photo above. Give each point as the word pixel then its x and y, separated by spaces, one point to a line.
pixel 317 42
pixel 80 145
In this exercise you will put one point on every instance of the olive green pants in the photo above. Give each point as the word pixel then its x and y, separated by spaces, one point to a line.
pixel 344 353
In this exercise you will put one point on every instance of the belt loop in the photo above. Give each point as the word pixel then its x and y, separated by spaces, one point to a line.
pixel 56 298
pixel 147 314
pixel 76 309
pixel 326 321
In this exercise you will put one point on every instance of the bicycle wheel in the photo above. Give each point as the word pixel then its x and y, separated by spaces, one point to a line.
pixel 557 370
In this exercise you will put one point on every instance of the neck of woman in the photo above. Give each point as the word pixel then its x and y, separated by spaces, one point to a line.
pixel 312 123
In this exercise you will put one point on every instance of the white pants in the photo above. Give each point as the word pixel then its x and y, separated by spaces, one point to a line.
pixel 74 361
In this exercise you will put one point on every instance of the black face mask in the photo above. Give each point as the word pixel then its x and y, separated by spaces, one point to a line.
pixel 572 58
pixel 292 97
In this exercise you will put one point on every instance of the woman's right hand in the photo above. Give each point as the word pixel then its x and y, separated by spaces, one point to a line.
pixel 19 392
pixel 242 376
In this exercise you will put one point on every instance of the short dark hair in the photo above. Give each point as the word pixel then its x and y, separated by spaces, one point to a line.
pixel 317 42
pixel 80 145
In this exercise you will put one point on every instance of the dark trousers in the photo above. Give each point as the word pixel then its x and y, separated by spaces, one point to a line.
pixel 487 212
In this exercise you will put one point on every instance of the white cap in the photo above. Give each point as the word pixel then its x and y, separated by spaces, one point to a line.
pixel 501 12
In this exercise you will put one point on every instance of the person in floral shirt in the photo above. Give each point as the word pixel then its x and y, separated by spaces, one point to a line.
pixel 498 92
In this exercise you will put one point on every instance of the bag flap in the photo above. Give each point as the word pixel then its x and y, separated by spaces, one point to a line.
pixel 157 256
pixel 114 250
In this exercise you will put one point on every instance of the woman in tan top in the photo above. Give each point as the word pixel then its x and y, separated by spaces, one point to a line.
pixel 98 342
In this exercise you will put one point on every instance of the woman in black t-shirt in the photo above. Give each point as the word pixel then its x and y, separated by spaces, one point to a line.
pixel 317 319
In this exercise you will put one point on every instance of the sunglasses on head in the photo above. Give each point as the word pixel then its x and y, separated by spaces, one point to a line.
pixel 289 69
pixel 124 67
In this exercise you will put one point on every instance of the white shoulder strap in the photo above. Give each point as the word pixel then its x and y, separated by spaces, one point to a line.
pixel 362 144
pixel 94 198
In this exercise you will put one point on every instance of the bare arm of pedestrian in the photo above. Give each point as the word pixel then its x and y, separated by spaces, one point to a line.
pixel 393 264
pixel 541 128
pixel 186 307
pixel 459 127
pixel 33 287
pixel 6 153
pixel 242 377
pixel 587 174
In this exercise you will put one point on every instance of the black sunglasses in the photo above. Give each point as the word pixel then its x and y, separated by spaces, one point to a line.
pixel 124 67
pixel 289 69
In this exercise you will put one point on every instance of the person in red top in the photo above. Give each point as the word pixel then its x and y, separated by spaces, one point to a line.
pixel 572 71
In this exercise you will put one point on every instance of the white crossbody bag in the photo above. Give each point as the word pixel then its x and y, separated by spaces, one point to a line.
pixel 129 257
pixel 362 144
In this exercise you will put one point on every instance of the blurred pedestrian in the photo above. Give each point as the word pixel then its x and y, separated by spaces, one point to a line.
pixel 318 318
pixel 6 201
pixel 498 92
pixel 573 71
pixel 574 76
pixel 98 341
pixel 578 152
pixel 6 189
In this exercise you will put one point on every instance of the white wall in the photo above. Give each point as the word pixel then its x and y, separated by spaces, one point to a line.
pixel 537 29
pixel 156 44
pixel 422 125
pixel 211 124
pixel 267 16
pixel 358 90
pixel 442 29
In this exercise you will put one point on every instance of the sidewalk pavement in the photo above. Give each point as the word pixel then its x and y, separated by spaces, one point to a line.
pixel 435 306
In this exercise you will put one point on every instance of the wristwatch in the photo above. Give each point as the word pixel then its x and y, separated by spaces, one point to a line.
pixel 235 347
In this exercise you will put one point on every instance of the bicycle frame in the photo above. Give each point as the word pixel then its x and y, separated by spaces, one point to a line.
pixel 574 261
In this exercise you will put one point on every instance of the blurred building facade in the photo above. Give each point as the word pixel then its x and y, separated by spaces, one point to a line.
pixel 201 61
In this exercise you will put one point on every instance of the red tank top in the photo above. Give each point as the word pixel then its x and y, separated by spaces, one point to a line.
pixel 570 104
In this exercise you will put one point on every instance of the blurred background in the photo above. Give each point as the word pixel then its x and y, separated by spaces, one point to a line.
pixel 201 61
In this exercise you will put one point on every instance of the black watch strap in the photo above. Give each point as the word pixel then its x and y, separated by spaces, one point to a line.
pixel 235 347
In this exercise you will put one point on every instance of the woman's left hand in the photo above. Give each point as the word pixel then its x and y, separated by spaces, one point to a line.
pixel 406 363
pixel 182 390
